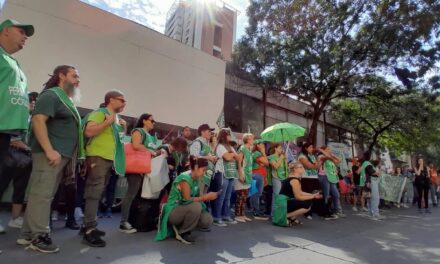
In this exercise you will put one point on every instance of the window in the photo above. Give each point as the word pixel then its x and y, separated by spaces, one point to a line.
pixel 217 53
pixel 217 36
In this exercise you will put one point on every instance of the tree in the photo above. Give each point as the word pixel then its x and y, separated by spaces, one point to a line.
pixel 320 50
pixel 387 117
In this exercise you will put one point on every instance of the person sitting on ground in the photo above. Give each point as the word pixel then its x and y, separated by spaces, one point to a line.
pixel 297 202
pixel 185 209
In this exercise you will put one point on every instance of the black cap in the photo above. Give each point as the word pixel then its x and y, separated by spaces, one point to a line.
pixel 203 128
pixel 32 96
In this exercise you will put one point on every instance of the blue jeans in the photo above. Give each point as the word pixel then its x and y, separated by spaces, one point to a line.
pixel 222 206
pixel 329 188
pixel 276 187
pixel 255 199
pixel 373 202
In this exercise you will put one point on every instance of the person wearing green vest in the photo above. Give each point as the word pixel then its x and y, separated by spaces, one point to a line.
pixel 310 180
pixel 185 208
pixel 226 170
pixel 13 86
pixel 56 141
pixel 328 177
pixel 370 181
pixel 141 140
pixel 243 183
pixel 292 202
pixel 200 148
pixel 278 167
pixel 104 152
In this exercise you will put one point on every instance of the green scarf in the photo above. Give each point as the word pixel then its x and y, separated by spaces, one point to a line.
pixel 67 101
pixel 247 164
pixel 363 177
pixel 119 158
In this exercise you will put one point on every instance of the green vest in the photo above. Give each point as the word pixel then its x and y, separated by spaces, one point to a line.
pixel 255 156
pixel 175 198
pixel 310 172
pixel 363 177
pixel 231 169
pixel 14 114
pixel 330 171
pixel 119 158
pixel 281 172
pixel 247 164
pixel 205 151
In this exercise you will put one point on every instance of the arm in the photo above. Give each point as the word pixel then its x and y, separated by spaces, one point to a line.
pixel 299 194
pixel 40 130
pixel 186 194
pixel 96 124
pixel 277 164
pixel 230 156
pixel 308 165
pixel 195 150
pixel 262 160
pixel 20 145
pixel 136 141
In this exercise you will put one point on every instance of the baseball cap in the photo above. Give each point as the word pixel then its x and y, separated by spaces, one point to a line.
pixel 204 127
pixel 258 141
pixel 29 29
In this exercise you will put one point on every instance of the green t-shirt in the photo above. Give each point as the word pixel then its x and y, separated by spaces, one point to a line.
pixel 102 145
pixel 281 172
pixel 62 127
pixel 331 171
pixel 14 114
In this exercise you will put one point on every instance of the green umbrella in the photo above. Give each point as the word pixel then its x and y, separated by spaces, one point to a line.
pixel 282 132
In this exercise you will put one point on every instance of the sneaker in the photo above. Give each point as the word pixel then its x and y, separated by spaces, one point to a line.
pixel 341 215
pixel 185 238
pixel 378 217
pixel 23 241
pixel 219 223
pixel 2 229
pixel 240 219
pixel 260 216
pixel 309 217
pixel 82 231
pixel 44 244
pixel 398 205
pixel 207 229
pixel 127 228
pixel 405 206
pixel 16 223
pixel 365 209
pixel 427 211
pixel 354 208
pixel 108 213
pixel 247 219
pixel 71 224
pixel 93 239
pixel 230 221
pixel 331 217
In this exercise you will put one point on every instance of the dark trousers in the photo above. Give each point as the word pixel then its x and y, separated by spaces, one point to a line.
pixel 19 177
pixel 423 191
pixel 5 140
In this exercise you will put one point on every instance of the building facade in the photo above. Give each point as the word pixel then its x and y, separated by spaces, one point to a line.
pixel 206 25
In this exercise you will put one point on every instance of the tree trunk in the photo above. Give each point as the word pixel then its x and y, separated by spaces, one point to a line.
pixel 314 126
pixel 373 143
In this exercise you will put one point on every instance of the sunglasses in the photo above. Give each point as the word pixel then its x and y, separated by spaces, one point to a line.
pixel 122 100
pixel 152 121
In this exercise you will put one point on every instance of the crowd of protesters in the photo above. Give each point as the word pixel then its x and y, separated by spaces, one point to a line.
pixel 47 148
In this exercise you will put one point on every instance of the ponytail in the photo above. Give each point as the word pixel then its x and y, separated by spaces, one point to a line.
pixel 54 79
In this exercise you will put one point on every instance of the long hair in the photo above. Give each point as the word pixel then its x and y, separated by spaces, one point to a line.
pixel 223 139
pixel 304 147
pixel 54 79
pixel 140 121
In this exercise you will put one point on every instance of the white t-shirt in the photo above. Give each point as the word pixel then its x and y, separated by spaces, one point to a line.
pixel 221 150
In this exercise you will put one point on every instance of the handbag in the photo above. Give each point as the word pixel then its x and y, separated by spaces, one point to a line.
pixel 136 162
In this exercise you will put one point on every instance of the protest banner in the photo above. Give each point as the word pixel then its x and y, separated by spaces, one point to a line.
pixel 391 187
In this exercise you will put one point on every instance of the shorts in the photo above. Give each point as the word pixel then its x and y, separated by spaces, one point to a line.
pixel 293 205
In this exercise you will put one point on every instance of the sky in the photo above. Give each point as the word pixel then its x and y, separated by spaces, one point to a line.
pixel 152 13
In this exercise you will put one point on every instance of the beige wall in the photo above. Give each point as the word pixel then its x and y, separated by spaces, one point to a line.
pixel 178 84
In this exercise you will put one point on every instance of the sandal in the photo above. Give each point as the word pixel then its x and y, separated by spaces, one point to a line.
pixel 295 222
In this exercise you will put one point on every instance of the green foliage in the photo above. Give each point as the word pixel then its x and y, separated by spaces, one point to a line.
pixel 320 50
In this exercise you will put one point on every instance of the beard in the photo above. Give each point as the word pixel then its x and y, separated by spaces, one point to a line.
pixel 76 96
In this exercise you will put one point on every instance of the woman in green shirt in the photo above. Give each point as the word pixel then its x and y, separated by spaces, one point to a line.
pixel 185 208
pixel 141 141
pixel 278 166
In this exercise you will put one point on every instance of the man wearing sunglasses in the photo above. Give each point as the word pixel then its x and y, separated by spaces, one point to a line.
pixel 104 151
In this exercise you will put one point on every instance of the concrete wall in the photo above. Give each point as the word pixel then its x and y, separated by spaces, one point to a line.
pixel 180 85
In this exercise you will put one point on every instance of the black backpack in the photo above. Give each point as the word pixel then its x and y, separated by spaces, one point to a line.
pixel 144 214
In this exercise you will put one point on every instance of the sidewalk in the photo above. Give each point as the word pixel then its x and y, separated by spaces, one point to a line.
pixel 405 237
